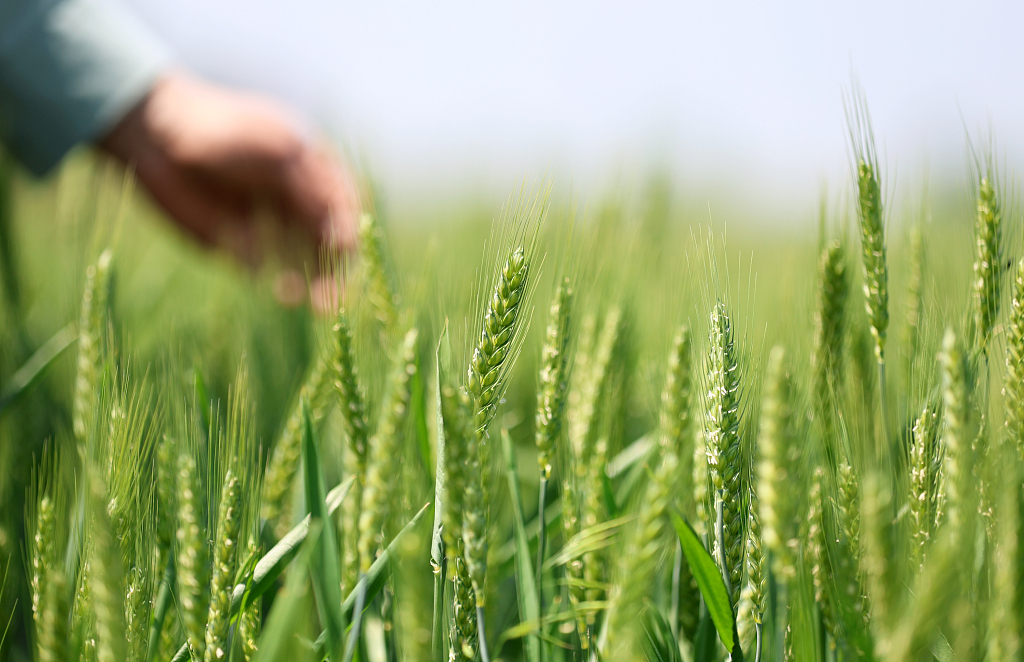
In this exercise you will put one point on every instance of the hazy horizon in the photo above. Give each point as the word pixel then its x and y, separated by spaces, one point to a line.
pixel 730 97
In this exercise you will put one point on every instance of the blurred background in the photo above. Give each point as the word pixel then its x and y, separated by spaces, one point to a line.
pixel 739 102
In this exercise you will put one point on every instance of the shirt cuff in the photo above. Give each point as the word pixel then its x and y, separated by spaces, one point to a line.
pixel 69 70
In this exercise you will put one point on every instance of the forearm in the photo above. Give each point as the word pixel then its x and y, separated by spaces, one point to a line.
pixel 69 70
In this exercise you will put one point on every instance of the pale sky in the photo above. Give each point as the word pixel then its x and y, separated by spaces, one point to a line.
pixel 738 96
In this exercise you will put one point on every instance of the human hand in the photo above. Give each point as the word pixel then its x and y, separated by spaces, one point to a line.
pixel 213 157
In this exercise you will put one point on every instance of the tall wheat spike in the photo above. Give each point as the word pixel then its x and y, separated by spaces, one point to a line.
pixel 44 552
pixel 988 261
pixel 52 619
pixel 225 552
pixel 702 490
pixel 592 470
pixel 675 419
pixel 675 430
pixel 193 571
pixel 502 325
pixel 925 464
pixel 592 384
pixel 380 287
pixel 574 567
pixel 83 619
pixel 1013 381
pixel 848 505
pixel 485 382
pixel 92 331
pixel 578 416
pixel 384 449
pixel 554 375
pixel 757 573
pixel 136 612
pixel 871 215
pixel 818 557
pixel 876 559
pixel 722 435
pixel 353 410
pixel 955 428
pixel 106 579
pixel 915 290
pixel 778 467
pixel 829 332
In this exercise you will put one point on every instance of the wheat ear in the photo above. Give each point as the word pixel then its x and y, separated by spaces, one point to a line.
pixel 192 555
pixel 988 261
pixel 353 410
pixel 52 619
pixel 380 288
pixel 722 435
pixel 757 573
pixel 954 437
pixel 225 553
pixel 925 463
pixel 44 552
pixel 1013 382
pixel 385 451
pixel 91 334
pixel 829 332
pixel 778 467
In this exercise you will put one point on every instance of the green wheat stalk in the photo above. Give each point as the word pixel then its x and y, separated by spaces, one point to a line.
pixel 284 462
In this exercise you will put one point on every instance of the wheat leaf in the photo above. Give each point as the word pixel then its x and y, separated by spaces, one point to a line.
pixel 709 580
pixel 324 562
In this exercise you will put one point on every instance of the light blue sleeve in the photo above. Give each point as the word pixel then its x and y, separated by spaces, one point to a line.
pixel 69 69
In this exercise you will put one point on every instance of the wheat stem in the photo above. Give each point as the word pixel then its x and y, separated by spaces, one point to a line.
pixel 357 619
pixel 541 537
pixel 165 595
pixel 485 656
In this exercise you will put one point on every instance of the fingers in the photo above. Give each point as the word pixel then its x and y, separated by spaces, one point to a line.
pixel 322 195
pixel 254 147
pixel 211 156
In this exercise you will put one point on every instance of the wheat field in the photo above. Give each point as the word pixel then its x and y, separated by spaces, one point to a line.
pixel 530 434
